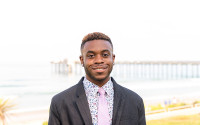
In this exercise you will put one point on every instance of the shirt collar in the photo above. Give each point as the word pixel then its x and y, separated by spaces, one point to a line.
pixel 92 89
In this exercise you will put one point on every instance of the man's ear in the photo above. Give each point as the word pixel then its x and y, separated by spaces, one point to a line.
pixel 81 59
pixel 113 57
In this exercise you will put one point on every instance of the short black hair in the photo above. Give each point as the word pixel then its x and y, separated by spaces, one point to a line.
pixel 95 36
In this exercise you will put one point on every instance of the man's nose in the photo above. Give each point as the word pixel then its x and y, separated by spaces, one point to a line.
pixel 99 59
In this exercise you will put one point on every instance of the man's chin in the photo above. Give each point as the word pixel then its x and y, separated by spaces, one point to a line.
pixel 101 79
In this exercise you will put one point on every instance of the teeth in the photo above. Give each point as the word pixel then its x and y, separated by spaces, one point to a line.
pixel 99 69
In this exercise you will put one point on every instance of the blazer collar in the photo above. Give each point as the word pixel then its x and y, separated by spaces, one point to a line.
pixel 119 99
pixel 82 103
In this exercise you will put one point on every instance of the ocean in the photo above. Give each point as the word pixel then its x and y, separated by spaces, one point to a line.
pixel 33 85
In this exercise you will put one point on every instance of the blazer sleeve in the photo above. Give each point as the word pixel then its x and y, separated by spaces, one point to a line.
pixel 142 119
pixel 53 114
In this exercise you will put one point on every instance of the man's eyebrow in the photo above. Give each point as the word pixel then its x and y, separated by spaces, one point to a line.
pixel 106 50
pixel 90 51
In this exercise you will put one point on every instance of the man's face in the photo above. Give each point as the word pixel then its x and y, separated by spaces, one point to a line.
pixel 97 58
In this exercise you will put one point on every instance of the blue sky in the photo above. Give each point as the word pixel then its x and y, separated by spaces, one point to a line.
pixel 41 31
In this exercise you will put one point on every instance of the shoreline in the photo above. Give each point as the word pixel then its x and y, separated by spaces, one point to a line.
pixel 30 96
pixel 172 99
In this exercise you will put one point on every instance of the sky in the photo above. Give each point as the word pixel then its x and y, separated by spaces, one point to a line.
pixel 41 31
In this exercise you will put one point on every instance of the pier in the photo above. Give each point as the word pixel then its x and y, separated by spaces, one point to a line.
pixel 140 69
pixel 61 67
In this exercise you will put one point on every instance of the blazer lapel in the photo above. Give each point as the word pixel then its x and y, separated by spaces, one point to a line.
pixel 118 102
pixel 82 104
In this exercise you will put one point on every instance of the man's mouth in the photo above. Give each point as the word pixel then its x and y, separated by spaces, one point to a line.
pixel 99 68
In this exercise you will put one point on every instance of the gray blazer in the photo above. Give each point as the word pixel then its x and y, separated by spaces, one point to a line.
pixel 70 107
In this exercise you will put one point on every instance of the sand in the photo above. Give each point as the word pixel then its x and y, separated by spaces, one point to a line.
pixel 28 116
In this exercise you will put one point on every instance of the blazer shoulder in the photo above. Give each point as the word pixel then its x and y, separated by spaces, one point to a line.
pixel 130 94
pixel 70 92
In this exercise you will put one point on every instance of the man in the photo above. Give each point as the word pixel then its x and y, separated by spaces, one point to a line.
pixel 97 99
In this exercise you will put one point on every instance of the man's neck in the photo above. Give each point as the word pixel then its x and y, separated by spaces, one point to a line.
pixel 99 83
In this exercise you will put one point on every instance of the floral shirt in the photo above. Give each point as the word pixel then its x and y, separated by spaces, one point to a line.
pixel 92 94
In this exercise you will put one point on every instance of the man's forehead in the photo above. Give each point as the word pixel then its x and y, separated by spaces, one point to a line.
pixel 97 44
pixel 95 51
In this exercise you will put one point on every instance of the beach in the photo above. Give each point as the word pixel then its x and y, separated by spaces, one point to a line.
pixel 28 116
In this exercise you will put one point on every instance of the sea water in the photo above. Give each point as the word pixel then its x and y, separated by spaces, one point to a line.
pixel 33 85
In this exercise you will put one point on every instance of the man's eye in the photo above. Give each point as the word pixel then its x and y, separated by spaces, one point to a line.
pixel 105 55
pixel 90 56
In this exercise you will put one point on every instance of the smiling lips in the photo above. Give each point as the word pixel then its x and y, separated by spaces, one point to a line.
pixel 100 68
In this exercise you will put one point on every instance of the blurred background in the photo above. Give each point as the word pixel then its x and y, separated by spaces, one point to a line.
pixel 155 43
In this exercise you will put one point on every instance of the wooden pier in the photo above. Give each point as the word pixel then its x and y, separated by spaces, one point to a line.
pixel 141 69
